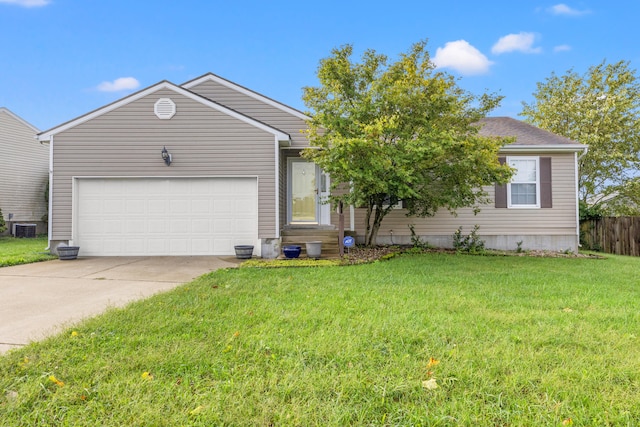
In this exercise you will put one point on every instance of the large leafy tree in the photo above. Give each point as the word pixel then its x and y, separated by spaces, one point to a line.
pixel 399 131
pixel 600 108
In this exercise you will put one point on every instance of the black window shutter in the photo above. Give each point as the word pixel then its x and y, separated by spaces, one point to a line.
pixel 545 183
pixel 501 189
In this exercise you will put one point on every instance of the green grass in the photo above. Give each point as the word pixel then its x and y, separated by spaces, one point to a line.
pixel 520 342
pixel 23 251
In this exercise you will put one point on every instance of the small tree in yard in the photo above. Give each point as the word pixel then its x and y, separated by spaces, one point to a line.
pixel 400 132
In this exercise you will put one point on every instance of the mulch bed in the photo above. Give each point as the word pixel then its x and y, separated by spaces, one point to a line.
pixel 361 254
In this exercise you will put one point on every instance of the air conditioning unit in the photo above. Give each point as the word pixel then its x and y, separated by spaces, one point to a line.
pixel 24 230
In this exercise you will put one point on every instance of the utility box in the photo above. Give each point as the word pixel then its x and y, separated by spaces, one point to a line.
pixel 24 230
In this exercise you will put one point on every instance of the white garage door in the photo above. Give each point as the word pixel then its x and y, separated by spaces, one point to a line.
pixel 176 216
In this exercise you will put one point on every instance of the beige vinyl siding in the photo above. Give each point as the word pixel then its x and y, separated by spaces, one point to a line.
pixel 24 170
pixel 559 220
pixel 127 141
pixel 252 107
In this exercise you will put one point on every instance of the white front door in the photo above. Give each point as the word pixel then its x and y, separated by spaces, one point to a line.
pixel 308 188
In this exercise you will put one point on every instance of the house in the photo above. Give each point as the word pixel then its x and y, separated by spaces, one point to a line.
pixel 24 165
pixel 197 168
pixel 538 208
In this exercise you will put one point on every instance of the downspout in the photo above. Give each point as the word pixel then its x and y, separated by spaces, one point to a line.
pixel 50 224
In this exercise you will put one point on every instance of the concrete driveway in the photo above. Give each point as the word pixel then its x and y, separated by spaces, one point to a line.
pixel 37 300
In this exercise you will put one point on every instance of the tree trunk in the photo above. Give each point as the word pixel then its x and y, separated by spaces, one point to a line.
pixel 368 224
pixel 372 229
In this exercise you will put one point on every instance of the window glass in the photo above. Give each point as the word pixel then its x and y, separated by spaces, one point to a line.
pixel 526 170
pixel 523 194
pixel 523 189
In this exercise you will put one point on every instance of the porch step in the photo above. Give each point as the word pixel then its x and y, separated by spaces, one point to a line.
pixel 301 235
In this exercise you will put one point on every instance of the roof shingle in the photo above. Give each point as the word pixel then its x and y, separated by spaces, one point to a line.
pixel 524 133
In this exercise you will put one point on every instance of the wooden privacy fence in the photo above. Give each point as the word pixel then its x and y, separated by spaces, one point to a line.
pixel 613 235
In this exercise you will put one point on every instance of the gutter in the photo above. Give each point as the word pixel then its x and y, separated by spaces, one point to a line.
pixel 545 148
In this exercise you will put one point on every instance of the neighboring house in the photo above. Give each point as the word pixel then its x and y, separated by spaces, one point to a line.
pixel 235 176
pixel 614 204
pixel 24 165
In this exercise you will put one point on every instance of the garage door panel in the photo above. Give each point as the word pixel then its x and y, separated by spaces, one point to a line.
pixel 241 223
pixel 180 216
pixel 157 226
pixel 179 226
pixel 201 206
pixel 113 226
pixel 201 225
pixel 114 188
pixel 156 207
pixel 134 244
pixel 223 207
pixel 223 245
pixel 200 188
pixel 113 206
pixel 243 205
pixel 222 226
pixel 179 206
pixel 111 246
pixel 157 246
pixel 94 225
pixel 200 247
pixel 159 189
pixel 179 246
pixel 178 186
pixel 136 207
pixel 133 226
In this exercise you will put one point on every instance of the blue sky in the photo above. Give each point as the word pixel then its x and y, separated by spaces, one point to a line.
pixel 62 58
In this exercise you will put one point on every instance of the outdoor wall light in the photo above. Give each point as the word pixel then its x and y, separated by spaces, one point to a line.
pixel 166 156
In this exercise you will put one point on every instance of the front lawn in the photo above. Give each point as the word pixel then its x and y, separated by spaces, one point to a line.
pixel 433 340
pixel 23 251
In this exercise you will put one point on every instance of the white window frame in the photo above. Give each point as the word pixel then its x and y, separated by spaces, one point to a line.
pixel 537 183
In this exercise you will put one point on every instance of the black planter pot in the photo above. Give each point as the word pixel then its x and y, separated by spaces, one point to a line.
pixel 292 251
pixel 244 251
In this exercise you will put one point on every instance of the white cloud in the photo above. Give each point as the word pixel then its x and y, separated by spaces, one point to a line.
pixel 123 83
pixel 27 3
pixel 459 55
pixel 562 48
pixel 563 9
pixel 522 42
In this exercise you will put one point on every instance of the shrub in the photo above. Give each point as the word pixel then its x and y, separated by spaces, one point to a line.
pixel 471 244
pixel 416 241
pixel 3 225
pixel 589 212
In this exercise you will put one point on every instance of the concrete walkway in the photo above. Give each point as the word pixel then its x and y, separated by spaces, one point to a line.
pixel 41 299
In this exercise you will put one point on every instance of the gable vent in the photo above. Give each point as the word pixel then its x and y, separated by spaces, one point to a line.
pixel 164 108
